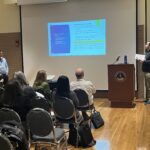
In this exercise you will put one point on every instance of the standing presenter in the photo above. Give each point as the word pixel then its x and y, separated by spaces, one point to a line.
pixel 3 68
pixel 146 70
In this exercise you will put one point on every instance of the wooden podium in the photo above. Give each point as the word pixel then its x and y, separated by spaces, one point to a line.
pixel 121 85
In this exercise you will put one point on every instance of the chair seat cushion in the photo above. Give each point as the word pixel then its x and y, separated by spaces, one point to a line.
pixel 86 107
pixel 59 133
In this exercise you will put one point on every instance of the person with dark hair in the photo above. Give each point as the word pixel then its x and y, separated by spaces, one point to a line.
pixel 41 85
pixel 63 89
pixel 3 68
pixel 14 98
pixel 81 83
pixel 146 70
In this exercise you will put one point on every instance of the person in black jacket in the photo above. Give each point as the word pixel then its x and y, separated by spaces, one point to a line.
pixel 13 97
pixel 63 89
pixel 146 70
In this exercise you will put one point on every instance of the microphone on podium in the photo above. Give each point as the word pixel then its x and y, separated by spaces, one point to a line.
pixel 117 59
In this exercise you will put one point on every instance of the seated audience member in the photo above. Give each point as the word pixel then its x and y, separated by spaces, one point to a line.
pixel 14 98
pixel 87 86
pixel 63 89
pixel 41 85
pixel 81 83
pixel 20 77
pixel 27 90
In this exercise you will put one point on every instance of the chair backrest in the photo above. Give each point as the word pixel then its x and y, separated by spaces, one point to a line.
pixel 7 114
pixel 40 102
pixel 5 143
pixel 1 89
pixel 39 122
pixel 82 97
pixel 63 107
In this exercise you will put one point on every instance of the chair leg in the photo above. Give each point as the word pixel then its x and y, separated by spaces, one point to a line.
pixel 37 147
pixel 66 143
pixel 78 136
pixel 85 116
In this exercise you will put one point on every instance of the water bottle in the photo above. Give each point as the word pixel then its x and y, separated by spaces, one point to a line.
pixel 125 59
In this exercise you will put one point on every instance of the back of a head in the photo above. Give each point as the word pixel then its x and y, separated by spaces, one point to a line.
pixel 12 91
pixel 41 76
pixel 79 73
pixel 29 92
pixel 63 86
pixel 19 75
pixel 147 46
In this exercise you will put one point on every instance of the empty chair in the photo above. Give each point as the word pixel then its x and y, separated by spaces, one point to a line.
pixel 5 143
pixel 7 114
pixel 41 130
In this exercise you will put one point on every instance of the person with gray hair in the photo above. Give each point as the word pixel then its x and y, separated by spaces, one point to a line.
pixel 19 75
pixel 24 84
pixel 83 84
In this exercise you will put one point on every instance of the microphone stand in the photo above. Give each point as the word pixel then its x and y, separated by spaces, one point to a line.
pixel 117 59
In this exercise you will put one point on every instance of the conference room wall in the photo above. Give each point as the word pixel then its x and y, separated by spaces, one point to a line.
pixel 9 16
pixel 35 44
pixel 148 20
pixel 10 37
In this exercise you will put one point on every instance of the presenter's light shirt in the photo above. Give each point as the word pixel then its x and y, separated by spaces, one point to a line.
pixel 3 66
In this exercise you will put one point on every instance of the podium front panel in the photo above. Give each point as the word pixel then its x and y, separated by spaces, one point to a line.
pixel 121 83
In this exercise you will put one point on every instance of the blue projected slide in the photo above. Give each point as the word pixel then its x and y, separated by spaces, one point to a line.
pixel 80 38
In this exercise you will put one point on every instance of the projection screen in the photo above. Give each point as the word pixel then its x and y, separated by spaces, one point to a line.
pixel 118 37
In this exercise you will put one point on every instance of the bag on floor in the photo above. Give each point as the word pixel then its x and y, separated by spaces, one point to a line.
pixel 14 131
pixel 86 137
pixel 82 138
pixel 97 119
pixel 73 137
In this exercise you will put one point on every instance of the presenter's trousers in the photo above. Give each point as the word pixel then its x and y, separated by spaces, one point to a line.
pixel 147 85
